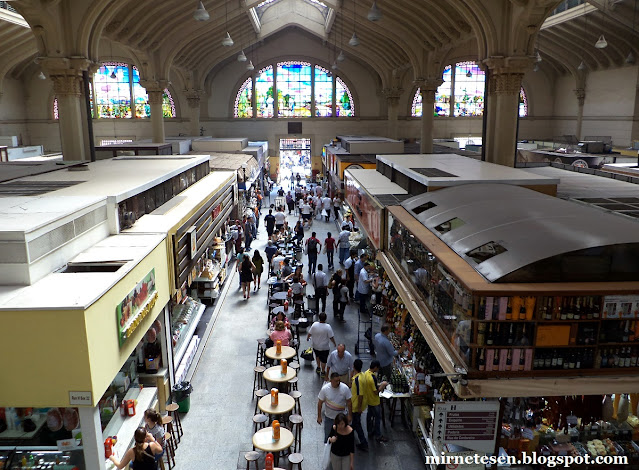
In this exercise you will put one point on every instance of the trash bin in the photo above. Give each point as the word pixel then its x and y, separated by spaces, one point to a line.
pixel 182 396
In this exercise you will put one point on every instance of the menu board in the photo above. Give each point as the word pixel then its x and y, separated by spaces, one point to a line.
pixel 472 425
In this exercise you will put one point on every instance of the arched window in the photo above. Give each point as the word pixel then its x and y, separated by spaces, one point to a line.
pixel 469 89
pixel 244 100
pixel 523 103
pixel 442 97
pixel 114 87
pixel 298 89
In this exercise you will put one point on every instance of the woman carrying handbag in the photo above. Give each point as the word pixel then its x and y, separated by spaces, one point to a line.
pixel 342 440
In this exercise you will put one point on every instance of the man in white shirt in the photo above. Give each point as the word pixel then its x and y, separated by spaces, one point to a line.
pixel 305 210
pixel 317 204
pixel 340 361
pixel 333 398
pixel 364 287
pixel 344 245
pixel 320 282
pixel 322 335
pixel 280 218
pixel 326 205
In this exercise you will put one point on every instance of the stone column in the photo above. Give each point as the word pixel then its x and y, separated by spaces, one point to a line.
pixel 427 88
pixel 581 97
pixel 392 100
pixel 193 98
pixel 155 90
pixel 504 86
pixel 67 86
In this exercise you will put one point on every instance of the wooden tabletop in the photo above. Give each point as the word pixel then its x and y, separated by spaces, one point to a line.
pixel 287 353
pixel 274 374
pixel 285 403
pixel 263 440
pixel 280 295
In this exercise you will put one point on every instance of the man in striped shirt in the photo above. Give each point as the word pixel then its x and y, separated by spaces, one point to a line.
pixel 334 398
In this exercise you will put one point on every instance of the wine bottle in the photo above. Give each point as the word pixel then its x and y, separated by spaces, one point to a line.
pixel 573 361
pixel 522 360
pixel 626 331
pixel 553 359
pixel 496 360
pixel 548 315
pixel 560 360
pixel 495 314
pixel 509 309
pixel 481 364
pixel 522 309
pixel 570 311
pixel 633 358
pixel 577 312
pixel 482 308
pixel 596 307
pixel 588 308
pixel 489 335
pixel 511 335
pixel 548 360
pixel 627 358
pixel 509 360
pixel 481 333
pixel 562 309
pixel 578 361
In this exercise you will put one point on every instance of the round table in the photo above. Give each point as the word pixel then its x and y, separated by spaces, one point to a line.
pixel 273 280
pixel 287 353
pixel 280 296
pixel 274 374
pixel 280 309
pixel 263 440
pixel 285 404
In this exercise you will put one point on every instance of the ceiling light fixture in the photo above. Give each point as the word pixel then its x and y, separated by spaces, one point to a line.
pixel 601 42
pixel 227 41
pixel 469 74
pixel 630 59
pixel 354 41
pixel 374 14
pixel 200 14
pixel 538 57
pixel 536 68
pixel 582 66
pixel 241 56
pixel 250 65
pixel 334 66
pixel 341 57
pixel 113 76
pixel 42 76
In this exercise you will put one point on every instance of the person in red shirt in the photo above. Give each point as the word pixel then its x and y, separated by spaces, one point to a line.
pixel 329 245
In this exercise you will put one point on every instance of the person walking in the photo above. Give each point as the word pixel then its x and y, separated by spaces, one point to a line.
pixel 385 351
pixel 372 389
pixel 313 247
pixel 258 262
pixel 320 283
pixel 322 335
pixel 334 284
pixel 340 361
pixel 337 202
pixel 299 232
pixel 349 265
pixel 326 207
pixel 329 246
pixel 344 245
pixel 247 268
pixel 359 404
pixel 364 287
pixel 269 221
pixel 343 300
pixel 359 264
pixel 270 250
pixel 342 439
pixel 305 211
pixel 280 218
pixel 240 257
pixel 334 398
pixel 290 202
pixel 248 234
pixel 142 455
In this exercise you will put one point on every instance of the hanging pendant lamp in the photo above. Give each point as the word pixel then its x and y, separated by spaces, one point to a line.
pixel 334 66
pixel 601 42
pixel 374 14
pixel 630 59
pixel 42 76
pixel 200 14
pixel 536 68
pixel 113 76
pixel 354 41
pixel 250 65
pixel 582 66
pixel 227 41
pixel 341 57
pixel 538 57
pixel 241 56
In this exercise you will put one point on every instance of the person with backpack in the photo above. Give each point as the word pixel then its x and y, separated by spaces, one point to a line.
pixel 313 246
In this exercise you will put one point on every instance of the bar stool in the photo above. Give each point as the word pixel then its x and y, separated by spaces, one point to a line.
pixel 295 330
pixel 258 378
pixel 294 365
pixel 259 422
pixel 292 383
pixel 259 394
pixel 297 423
pixel 252 456
pixel 169 450
pixel 173 411
pixel 167 422
pixel 260 358
pixel 295 459
pixel 296 395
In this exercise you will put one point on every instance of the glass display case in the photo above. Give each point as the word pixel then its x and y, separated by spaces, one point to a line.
pixel 46 459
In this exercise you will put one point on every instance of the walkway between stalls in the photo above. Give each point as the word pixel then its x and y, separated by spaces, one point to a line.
pixel 218 428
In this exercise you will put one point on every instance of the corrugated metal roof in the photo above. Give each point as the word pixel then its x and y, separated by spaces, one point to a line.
pixel 529 225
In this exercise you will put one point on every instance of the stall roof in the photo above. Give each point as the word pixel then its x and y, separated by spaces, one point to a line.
pixel 376 183
pixel 453 170
pixel 512 234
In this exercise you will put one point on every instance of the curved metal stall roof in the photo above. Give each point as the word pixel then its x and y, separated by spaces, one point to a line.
pixel 512 234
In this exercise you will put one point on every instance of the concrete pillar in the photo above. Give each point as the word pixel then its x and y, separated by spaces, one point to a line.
pixel 193 98
pixel 428 88
pixel 392 100
pixel 581 97
pixel 67 86
pixel 92 443
pixel 504 82
pixel 157 117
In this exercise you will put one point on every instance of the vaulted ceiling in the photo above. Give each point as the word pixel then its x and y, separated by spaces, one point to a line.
pixel 411 35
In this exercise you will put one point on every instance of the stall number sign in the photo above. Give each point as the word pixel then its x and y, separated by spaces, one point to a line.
pixel 468 424
pixel 80 398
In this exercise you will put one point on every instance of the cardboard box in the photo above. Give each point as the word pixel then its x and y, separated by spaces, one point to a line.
pixel 553 335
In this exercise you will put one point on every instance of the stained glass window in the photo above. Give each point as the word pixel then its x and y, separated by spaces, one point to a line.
pixel 523 103
pixel 323 92
pixel 442 96
pixel 264 92
pixel 469 89
pixel 141 99
pixel 244 100
pixel 113 90
pixel 294 89
pixel 343 100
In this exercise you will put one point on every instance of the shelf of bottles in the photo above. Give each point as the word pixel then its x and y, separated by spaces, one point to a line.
pixel 525 334
pixel 568 333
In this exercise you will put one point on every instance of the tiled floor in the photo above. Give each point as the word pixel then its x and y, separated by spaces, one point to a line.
pixel 218 428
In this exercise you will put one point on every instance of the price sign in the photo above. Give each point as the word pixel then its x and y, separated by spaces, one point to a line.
pixel 472 425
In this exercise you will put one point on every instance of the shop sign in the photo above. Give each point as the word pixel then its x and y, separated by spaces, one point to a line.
pixel 135 306
pixel 216 211
pixel 472 425
pixel 192 234
pixel 367 211
pixel 80 398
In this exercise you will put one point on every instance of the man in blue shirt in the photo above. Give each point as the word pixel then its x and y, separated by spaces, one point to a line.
pixel 385 352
